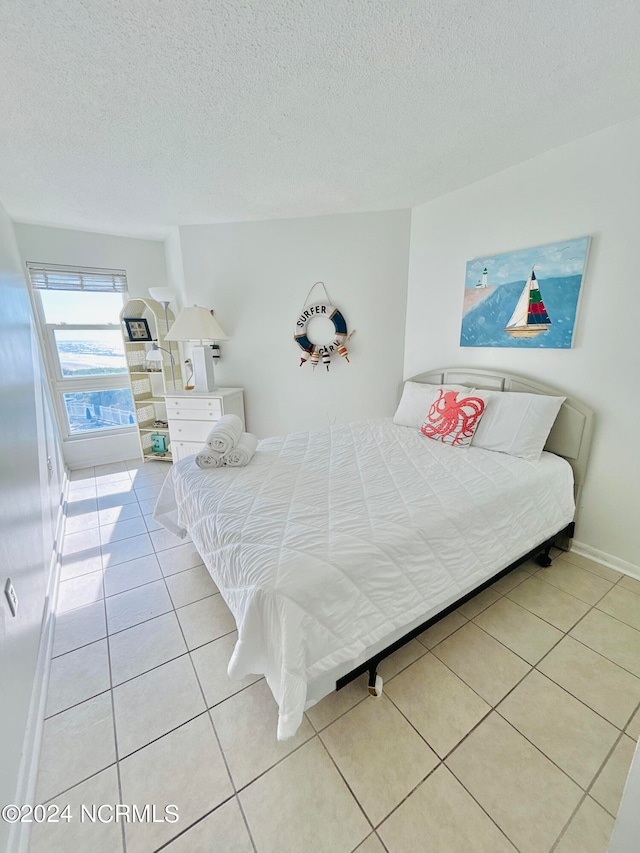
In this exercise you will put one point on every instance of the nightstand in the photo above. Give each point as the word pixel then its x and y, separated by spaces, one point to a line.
pixel 191 416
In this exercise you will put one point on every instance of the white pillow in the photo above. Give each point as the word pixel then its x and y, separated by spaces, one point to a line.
pixel 517 424
pixel 417 399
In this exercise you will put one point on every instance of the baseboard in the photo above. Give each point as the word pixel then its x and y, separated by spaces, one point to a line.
pixel 28 775
pixel 101 450
pixel 606 559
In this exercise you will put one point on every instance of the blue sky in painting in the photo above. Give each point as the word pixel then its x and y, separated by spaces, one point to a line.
pixel 554 260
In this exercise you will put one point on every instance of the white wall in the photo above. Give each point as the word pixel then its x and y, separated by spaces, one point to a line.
pixel 29 502
pixel 144 263
pixel 256 276
pixel 588 187
pixel 143 260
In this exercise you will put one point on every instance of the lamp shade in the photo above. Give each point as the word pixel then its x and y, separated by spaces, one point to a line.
pixel 162 294
pixel 154 354
pixel 195 324
pixel 153 360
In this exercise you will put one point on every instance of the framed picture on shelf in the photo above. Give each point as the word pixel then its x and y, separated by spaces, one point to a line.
pixel 137 329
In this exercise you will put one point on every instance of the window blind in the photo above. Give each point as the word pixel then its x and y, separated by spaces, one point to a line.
pixel 53 277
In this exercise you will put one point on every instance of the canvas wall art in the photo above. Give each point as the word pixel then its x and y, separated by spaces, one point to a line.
pixel 526 299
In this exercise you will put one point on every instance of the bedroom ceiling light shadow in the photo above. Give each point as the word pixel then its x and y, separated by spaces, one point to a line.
pixel 199 325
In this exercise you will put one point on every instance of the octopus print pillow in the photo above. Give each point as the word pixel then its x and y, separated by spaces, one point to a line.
pixel 453 418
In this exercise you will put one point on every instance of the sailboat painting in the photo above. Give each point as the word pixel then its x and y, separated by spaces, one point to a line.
pixel 527 298
pixel 530 316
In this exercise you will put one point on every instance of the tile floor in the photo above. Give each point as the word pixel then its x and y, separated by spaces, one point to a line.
pixel 510 725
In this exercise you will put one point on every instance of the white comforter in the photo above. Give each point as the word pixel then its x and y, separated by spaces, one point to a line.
pixel 332 539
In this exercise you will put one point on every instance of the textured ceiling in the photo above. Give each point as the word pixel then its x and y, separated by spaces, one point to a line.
pixel 131 116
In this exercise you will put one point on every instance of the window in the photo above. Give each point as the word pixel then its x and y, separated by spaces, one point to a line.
pixel 79 313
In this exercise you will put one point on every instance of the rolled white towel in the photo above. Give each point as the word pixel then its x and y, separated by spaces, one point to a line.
pixel 225 434
pixel 208 458
pixel 243 451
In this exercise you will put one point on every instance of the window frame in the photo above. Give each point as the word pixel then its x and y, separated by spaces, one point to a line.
pixel 60 384
pixel 52 328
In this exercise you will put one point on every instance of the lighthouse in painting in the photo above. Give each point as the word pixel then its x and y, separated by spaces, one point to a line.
pixel 530 316
pixel 483 281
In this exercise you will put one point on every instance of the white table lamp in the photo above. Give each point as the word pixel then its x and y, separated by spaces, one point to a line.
pixel 199 325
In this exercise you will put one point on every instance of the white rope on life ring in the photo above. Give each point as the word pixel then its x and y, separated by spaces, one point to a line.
pixel 314 352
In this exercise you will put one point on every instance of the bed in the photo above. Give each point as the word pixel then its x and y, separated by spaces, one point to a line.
pixel 334 547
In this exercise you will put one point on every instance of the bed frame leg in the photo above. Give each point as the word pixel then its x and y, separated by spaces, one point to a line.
pixel 375 683
pixel 544 559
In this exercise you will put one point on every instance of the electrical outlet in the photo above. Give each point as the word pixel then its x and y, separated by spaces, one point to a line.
pixel 12 598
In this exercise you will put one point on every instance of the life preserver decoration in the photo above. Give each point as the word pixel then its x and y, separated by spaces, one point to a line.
pixel 313 352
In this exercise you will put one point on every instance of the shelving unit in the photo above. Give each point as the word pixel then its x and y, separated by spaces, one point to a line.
pixel 149 387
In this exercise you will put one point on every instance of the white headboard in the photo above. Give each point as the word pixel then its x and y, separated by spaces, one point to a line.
pixel 572 431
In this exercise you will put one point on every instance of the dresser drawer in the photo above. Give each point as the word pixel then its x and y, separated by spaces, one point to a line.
pixel 209 416
pixel 194 407
pixel 180 449
pixel 189 430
